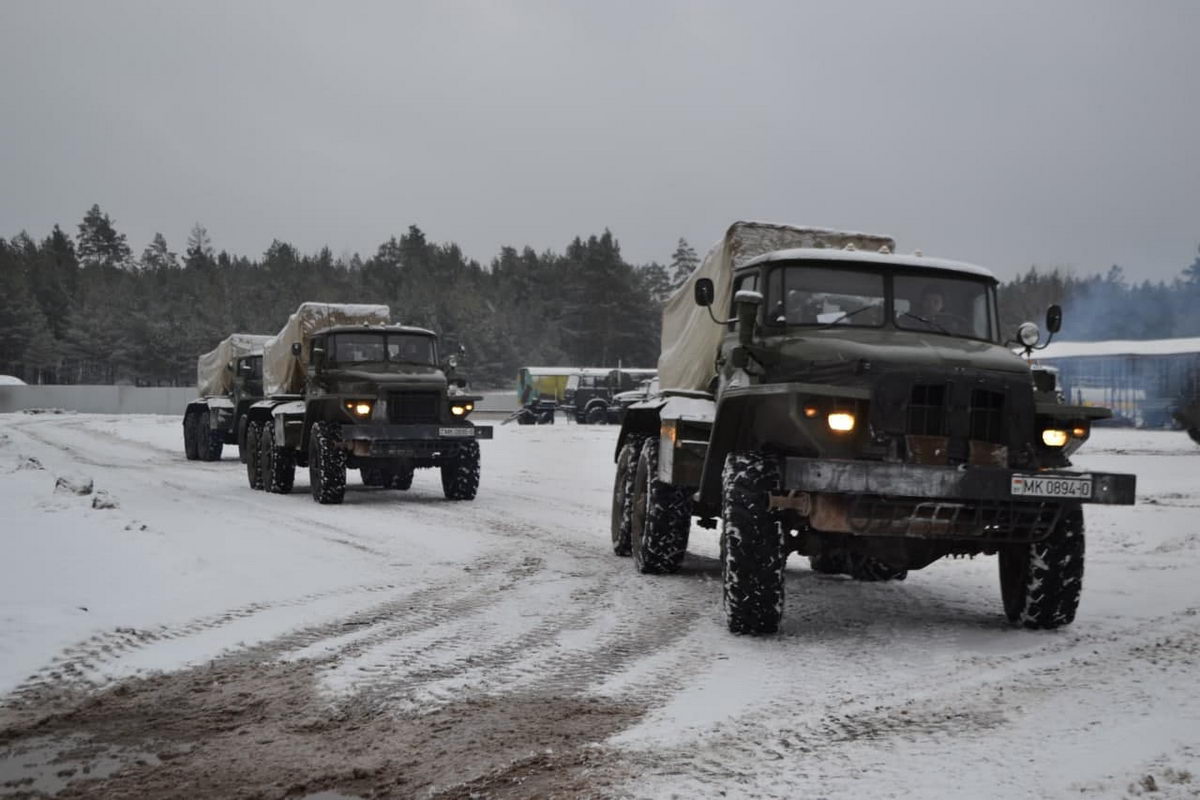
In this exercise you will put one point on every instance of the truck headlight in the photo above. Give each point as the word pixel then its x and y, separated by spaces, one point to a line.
pixel 1053 437
pixel 359 408
pixel 841 421
pixel 461 409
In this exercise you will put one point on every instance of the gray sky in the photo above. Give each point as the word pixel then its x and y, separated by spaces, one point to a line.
pixel 1009 134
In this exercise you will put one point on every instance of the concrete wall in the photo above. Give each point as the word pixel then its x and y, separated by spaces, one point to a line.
pixel 98 399
pixel 146 400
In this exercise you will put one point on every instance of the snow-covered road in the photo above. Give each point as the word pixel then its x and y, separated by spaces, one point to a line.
pixel 400 645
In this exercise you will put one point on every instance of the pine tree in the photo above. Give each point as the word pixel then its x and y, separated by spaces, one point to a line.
pixel 158 256
pixel 99 242
pixel 683 263
pixel 199 253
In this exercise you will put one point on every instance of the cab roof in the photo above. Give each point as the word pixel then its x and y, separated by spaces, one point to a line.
pixel 869 257
pixel 375 329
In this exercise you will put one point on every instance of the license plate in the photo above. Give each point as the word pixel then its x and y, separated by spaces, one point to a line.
pixel 465 432
pixel 1052 486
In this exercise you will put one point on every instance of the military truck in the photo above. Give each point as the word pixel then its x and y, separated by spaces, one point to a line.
pixel 860 408
pixel 228 381
pixel 590 394
pixel 346 389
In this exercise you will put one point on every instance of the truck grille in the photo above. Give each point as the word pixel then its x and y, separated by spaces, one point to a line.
pixel 414 407
pixel 927 410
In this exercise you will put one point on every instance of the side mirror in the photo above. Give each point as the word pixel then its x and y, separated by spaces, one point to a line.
pixel 296 349
pixel 704 292
pixel 1054 318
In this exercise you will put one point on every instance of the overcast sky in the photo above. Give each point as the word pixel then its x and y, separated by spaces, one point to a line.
pixel 1008 134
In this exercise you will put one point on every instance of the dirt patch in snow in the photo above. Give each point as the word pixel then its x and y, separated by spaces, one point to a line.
pixel 254 729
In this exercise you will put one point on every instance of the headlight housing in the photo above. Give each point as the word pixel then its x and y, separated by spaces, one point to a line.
pixel 841 421
pixel 1054 437
pixel 462 408
pixel 1028 334
pixel 360 408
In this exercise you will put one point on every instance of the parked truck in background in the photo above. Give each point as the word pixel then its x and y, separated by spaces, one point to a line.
pixel 824 396
pixel 348 390
pixel 590 394
pixel 228 381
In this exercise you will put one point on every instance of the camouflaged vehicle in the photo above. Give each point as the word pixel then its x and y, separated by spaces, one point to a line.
pixel 860 408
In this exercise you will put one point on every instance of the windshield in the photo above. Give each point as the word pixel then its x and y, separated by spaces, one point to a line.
pixel 379 348
pixel 955 306
pixel 252 367
pixel 825 296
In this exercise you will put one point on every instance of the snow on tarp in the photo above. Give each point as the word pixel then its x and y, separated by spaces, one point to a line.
pixel 283 373
pixel 1120 347
pixel 690 338
pixel 213 375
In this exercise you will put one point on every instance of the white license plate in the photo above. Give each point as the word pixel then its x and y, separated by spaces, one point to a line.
pixel 468 432
pixel 1051 486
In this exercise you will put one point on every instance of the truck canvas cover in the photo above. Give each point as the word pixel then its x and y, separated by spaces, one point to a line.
pixel 283 373
pixel 690 339
pixel 212 373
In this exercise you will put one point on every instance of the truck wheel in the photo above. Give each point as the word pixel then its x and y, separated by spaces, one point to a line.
pixel 209 443
pixel 622 508
pixel 1195 434
pixel 241 439
pixel 752 545
pixel 190 450
pixel 661 517
pixel 253 430
pixel 402 477
pixel 1040 582
pixel 277 465
pixel 460 477
pixel 597 415
pixel 326 464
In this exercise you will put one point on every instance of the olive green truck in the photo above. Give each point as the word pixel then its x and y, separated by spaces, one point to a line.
pixel 346 389
pixel 823 395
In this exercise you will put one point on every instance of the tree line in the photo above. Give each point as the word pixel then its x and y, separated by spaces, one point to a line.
pixel 84 308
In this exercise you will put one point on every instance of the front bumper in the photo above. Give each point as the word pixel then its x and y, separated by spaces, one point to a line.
pixel 870 498
pixel 413 441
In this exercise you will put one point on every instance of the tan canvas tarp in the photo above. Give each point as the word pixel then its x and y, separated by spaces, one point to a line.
pixel 213 375
pixel 283 373
pixel 690 339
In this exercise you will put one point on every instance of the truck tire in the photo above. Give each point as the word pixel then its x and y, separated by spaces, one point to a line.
pixel 1195 434
pixel 241 439
pixel 597 415
pixel 402 478
pixel 277 465
pixel 209 443
pixel 460 477
pixel 1040 583
pixel 622 507
pixel 253 476
pixel 752 544
pixel 190 450
pixel 326 464
pixel 661 517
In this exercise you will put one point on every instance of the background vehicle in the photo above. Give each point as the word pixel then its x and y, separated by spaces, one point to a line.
pixel 859 408
pixel 346 390
pixel 540 391
pixel 1188 415
pixel 590 393
pixel 644 391
pixel 228 380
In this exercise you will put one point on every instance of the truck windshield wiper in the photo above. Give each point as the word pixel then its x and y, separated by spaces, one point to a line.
pixel 849 314
pixel 928 322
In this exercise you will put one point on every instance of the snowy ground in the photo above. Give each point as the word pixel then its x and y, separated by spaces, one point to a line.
pixel 203 640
